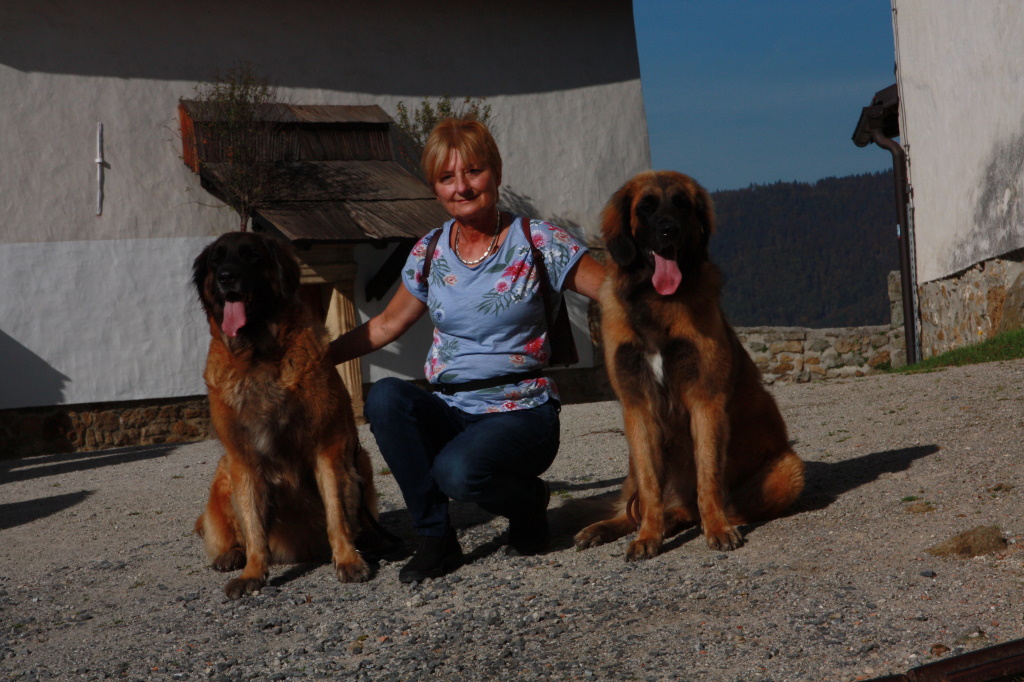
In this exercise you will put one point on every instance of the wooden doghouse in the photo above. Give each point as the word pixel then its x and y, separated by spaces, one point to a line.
pixel 333 177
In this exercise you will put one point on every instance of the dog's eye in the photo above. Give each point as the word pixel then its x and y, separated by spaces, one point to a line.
pixel 217 255
pixel 647 205
pixel 682 203
pixel 250 254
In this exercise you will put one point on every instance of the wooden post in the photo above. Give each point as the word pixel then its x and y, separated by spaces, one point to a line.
pixel 335 269
pixel 341 317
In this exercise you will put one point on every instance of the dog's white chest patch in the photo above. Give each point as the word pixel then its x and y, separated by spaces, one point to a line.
pixel 657 367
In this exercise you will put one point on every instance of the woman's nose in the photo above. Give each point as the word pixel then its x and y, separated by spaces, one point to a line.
pixel 460 184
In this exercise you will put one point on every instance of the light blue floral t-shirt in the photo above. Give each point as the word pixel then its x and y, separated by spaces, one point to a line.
pixel 489 318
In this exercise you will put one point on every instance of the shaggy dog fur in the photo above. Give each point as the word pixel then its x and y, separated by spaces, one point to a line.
pixel 293 484
pixel 706 441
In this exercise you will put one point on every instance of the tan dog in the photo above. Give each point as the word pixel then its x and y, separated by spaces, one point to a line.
pixel 706 441
pixel 293 484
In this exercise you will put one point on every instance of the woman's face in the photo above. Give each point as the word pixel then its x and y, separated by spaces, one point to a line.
pixel 468 192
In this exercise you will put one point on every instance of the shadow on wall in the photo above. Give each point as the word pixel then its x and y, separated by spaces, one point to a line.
pixel 186 41
pixel 522 204
pixel 28 380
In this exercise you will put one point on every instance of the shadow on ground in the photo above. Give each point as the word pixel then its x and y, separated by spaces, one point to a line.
pixel 17 513
pixel 28 468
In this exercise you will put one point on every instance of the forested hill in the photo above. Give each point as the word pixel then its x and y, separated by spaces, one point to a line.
pixel 807 255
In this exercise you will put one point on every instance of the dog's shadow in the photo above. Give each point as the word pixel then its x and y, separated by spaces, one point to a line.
pixel 825 482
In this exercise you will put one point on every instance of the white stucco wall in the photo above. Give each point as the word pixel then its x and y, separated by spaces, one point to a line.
pixel 961 76
pixel 97 308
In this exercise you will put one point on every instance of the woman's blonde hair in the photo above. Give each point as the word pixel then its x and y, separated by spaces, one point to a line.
pixel 467 136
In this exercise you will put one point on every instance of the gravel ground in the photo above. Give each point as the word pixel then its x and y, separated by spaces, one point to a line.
pixel 101 577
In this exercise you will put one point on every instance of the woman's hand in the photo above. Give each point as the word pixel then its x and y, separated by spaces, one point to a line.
pixel 585 277
pixel 400 314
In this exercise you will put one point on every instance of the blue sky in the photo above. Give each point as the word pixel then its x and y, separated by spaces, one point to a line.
pixel 742 92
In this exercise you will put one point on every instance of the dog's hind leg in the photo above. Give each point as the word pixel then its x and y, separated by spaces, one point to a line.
pixel 605 531
pixel 336 487
pixel 678 519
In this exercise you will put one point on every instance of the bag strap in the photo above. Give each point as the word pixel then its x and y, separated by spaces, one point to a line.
pixel 429 257
pixel 542 271
pixel 538 260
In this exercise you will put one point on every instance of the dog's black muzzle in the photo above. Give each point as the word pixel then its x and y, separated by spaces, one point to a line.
pixel 230 278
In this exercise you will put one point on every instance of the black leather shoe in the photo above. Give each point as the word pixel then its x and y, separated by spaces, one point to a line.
pixel 529 534
pixel 434 558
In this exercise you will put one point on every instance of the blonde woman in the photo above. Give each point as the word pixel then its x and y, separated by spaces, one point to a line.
pixel 490 428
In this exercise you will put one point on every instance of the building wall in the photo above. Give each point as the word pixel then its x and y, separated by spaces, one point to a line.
pixel 961 80
pixel 97 308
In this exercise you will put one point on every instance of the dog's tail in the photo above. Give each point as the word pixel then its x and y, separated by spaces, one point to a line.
pixel 770 492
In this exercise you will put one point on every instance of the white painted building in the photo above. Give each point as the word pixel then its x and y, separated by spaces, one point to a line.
pixel 95 257
pixel 960 72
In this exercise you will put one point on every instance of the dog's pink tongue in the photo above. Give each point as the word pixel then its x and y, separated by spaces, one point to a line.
pixel 666 276
pixel 234 317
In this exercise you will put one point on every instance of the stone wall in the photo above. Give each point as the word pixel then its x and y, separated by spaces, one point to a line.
pixel 972 306
pixel 802 355
pixel 101 426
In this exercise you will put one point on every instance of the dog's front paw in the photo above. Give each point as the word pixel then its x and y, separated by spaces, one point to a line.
pixel 727 540
pixel 357 571
pixel 239 587
pixel 639 549
pixel 231 560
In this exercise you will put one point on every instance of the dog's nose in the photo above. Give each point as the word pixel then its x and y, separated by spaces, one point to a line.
pixel 668 231
pixel 227 276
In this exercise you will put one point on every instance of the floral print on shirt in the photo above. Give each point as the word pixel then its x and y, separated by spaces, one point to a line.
pixel 489 319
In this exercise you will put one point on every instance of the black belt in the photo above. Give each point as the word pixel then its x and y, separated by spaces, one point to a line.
pixel 479 384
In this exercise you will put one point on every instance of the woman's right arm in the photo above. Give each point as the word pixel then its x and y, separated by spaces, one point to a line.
pixel 400 314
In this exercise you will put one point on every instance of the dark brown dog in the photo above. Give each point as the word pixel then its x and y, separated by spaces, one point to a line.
pixel 293 484
pixel 706 441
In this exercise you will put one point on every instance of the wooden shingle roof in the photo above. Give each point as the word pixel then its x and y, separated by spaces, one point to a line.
pixel 336 176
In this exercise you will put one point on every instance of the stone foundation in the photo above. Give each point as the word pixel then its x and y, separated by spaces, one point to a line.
pixel 798 354
pixel 101 426
pixel 975 305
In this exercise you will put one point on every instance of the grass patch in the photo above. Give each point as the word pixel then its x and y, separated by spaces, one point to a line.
pixel 1006 346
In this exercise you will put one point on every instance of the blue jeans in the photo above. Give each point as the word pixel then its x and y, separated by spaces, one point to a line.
pixel 437 452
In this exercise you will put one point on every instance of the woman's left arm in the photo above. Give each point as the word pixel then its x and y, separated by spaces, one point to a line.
pixel 585 277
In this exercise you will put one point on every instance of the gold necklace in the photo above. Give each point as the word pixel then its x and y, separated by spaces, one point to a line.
pixel 490 247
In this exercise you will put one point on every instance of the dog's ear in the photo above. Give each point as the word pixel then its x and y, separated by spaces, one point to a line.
pixel 288 272
pixel 705 210
pixel 617 226
pixel 200 272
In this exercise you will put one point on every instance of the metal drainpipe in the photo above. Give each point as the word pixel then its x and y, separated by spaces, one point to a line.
pixel 899 174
